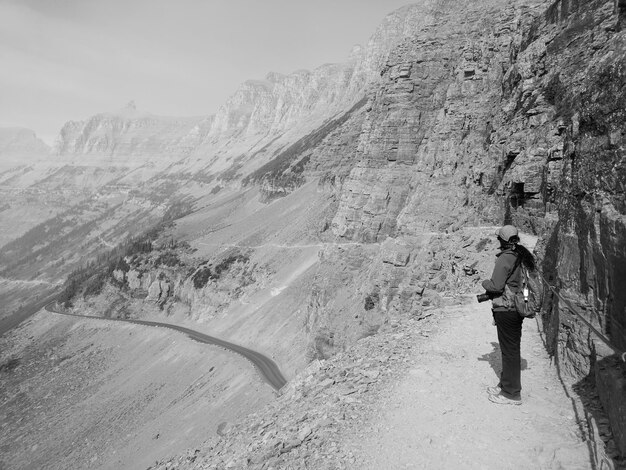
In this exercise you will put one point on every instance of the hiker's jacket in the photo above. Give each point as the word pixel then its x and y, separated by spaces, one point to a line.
pixel 503 274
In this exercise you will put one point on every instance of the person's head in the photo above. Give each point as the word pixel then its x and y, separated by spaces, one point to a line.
pixel 508 236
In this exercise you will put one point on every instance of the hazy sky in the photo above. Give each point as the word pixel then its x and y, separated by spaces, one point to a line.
pixel 66 60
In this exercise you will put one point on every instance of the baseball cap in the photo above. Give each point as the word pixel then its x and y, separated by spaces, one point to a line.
pixel 506 232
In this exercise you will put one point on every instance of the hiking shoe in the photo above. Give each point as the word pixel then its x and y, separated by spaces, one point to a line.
pixel 503 400
pixel 494 390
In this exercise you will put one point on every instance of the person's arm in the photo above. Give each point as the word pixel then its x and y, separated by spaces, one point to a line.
pixel 501 272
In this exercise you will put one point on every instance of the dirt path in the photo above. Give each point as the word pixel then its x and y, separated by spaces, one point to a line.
pixel 438 416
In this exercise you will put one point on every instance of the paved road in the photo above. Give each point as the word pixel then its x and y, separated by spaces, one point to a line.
pixel 266 367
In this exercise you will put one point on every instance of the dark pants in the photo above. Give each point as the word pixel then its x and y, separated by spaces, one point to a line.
pixel 509 326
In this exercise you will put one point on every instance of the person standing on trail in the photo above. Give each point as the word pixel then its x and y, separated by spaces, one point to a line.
pixel 507 272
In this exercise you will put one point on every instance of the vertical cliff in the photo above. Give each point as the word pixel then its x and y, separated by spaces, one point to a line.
pixel 429 125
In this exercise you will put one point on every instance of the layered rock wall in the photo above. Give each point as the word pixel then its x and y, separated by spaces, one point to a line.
pixel 278 103
pixel 427 146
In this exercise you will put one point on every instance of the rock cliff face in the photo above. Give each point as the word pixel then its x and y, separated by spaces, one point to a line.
pixel 416 162
pixel 280 102
pixel 429 125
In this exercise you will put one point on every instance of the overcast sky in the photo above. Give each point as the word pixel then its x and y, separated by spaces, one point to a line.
pixel 66 60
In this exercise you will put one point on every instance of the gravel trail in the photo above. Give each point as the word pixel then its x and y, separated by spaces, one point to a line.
pixel 438 415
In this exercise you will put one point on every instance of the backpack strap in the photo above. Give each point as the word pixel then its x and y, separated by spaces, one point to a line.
pixel 506 298
pixel 518 262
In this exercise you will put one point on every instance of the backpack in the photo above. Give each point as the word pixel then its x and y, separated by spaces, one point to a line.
pixel 527 301
pixel 529 298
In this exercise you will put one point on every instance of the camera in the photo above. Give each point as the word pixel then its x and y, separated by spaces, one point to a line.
pixel 483 297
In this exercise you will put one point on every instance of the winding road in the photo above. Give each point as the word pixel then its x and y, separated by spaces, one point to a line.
pixel 266 367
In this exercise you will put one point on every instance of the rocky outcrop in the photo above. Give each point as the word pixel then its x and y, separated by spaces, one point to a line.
pixel 359 288
pixel 171 278
pixel 159 291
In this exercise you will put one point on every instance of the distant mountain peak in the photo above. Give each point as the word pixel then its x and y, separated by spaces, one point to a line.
pixel 15 141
